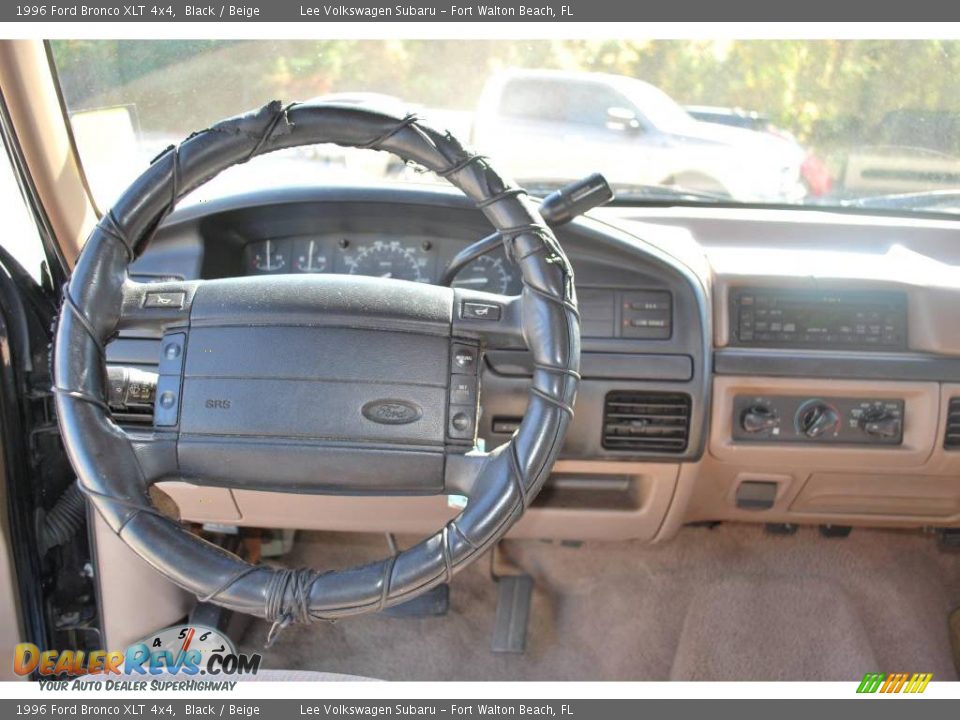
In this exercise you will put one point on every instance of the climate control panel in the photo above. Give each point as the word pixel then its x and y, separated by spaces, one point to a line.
pixel 837 420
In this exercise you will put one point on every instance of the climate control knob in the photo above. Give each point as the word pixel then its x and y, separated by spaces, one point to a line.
pixel 759 418
pixel 816 418
pixel 880 423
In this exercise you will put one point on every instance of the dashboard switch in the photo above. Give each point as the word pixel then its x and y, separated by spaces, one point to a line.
pixel 461 422
pixel 759 419
pixel 171 353
pixel 462 398
pixel 167 406
pixel 464 360
pixel 172 300
pixel 479 311
pixel 817 418
pixel 463 390
pixel 881 424
pixel 646 315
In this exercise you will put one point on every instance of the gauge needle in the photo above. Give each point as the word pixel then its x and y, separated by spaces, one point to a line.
pixel 471 281
pixel 185 646
pixel 387 275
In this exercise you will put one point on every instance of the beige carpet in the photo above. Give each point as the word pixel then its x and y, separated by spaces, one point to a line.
pixel 729 603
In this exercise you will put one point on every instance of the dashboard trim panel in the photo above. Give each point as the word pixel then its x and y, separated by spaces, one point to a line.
pixel 605 366
pixel 755 362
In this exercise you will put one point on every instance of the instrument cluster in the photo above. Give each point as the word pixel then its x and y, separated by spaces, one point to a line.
pixel 418 259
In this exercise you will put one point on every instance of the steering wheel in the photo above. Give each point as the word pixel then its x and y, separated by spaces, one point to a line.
pixel 314 383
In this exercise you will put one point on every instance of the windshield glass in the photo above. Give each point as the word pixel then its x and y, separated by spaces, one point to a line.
pixel 873 124
pixel 659 108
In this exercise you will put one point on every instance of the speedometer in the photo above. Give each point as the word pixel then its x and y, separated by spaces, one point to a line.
pixel 386 260
pixel 486 273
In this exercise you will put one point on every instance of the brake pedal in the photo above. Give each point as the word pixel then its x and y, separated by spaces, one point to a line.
pixel 835 531
pixel 781 528
pixel 433 603
pixel 948 538
pixel 513 614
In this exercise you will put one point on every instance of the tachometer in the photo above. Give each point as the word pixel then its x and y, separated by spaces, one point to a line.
pixel 387 260
pixel 181 646
pixel 486 273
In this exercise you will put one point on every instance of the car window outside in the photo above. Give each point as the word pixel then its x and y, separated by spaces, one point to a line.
pixel 838 121
pixel 535 100
pixel 591 104
pixel 21 236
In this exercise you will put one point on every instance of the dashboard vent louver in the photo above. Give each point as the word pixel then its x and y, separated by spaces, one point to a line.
pixel 641 421
pixel 951 438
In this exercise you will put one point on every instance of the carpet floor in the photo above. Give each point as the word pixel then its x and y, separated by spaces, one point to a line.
pixel 723 603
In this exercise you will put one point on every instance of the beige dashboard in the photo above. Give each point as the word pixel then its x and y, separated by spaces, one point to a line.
pixel 913 483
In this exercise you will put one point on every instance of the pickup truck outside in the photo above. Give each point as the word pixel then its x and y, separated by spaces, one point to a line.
pixel 565 125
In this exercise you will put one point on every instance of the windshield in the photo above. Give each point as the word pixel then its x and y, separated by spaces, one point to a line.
pixel 659 108
pixel 854 123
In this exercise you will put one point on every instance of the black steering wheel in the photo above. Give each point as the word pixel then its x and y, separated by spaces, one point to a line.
pixel 314 384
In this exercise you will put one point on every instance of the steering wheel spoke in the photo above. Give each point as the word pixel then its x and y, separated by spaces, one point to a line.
pixel 156 454
pixel 462 470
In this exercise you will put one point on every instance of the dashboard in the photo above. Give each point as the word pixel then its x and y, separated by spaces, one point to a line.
pixel 643 316
pixel 734 368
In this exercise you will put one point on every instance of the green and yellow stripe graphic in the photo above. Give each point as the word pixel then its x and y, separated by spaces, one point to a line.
pixel 894 682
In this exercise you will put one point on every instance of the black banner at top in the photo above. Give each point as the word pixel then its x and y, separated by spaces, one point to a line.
pixel 326 11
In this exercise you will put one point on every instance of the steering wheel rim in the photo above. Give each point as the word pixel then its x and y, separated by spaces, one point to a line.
pixel 115 469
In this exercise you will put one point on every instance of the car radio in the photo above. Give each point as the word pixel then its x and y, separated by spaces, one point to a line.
pixel 815 319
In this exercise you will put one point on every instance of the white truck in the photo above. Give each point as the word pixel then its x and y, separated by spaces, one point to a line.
pixel 553 125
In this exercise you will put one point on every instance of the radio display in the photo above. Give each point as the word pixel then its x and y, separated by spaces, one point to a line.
pixel 813 319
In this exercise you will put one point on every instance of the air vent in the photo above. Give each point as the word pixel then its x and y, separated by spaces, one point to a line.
pixel 646 422
pixel 951 439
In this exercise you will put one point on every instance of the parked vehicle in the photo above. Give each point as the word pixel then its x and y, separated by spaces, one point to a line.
pixel 732 117
pixel 937 130
pixel 910 151
pixel 893 169
pixel 814 171
pixel 565 125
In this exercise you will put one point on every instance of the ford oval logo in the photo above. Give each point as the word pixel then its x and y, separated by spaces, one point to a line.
pixel 391 412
